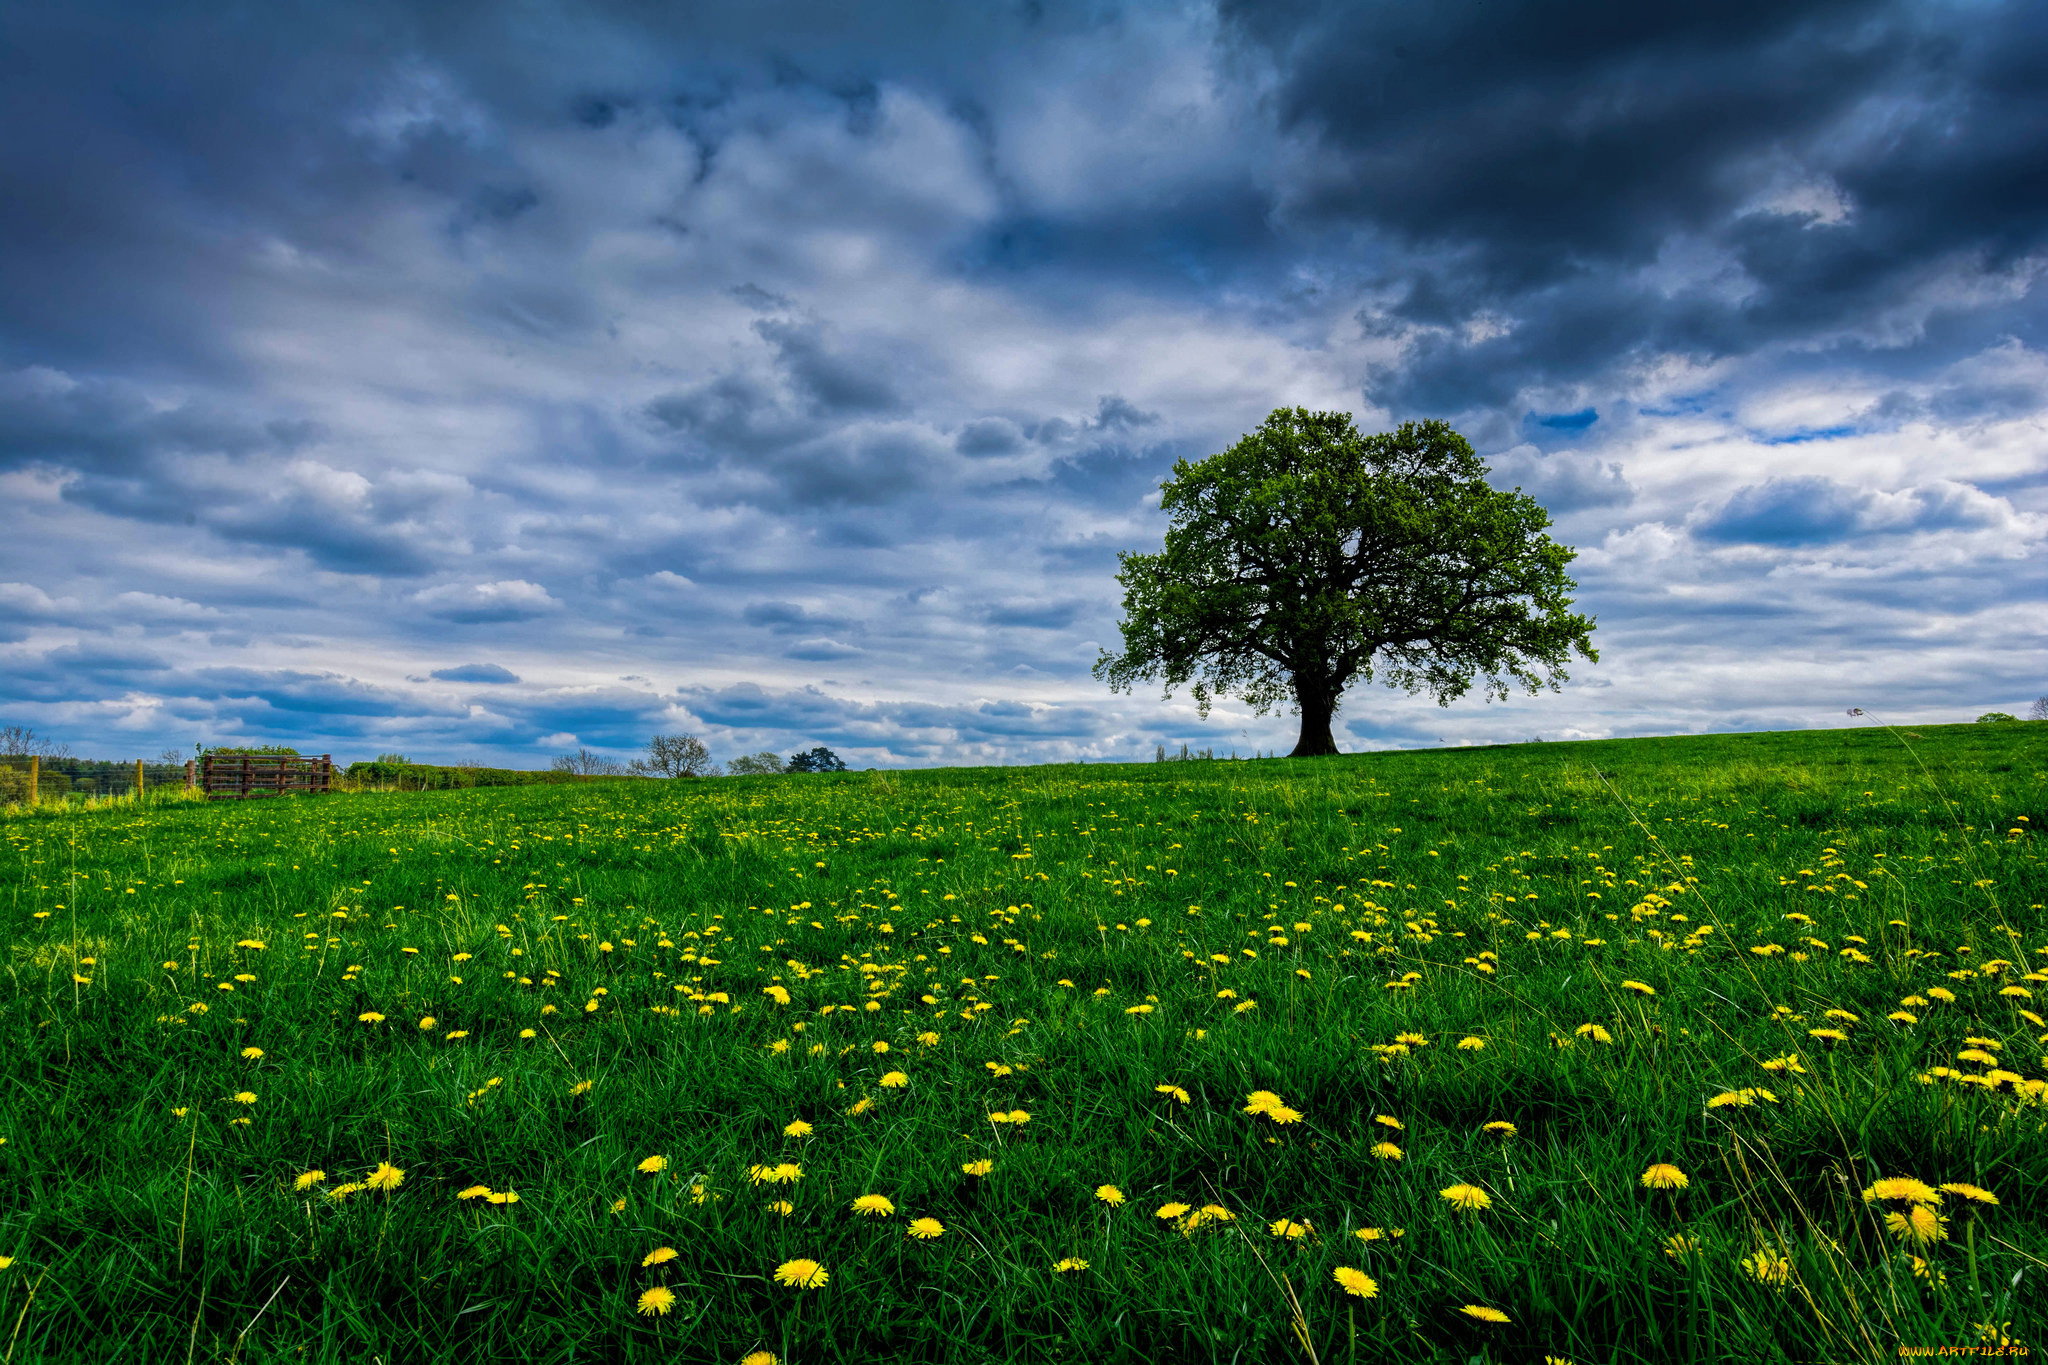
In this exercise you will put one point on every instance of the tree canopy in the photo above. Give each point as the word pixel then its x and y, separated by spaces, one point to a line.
pixel 1307 556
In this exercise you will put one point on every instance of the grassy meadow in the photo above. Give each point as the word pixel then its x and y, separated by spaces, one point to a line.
pixel 1708 1048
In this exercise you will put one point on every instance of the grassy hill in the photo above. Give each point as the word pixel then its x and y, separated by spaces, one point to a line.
pixel 1598 1051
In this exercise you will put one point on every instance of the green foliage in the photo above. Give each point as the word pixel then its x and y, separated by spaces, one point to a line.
pixel 1056 932
pixel 763 764
pixel 434 777
pixel 1997 718
pixel 1307 556
pixel 818 760
pixel 283 749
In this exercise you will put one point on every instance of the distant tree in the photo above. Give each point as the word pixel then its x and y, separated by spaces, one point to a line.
pixel 818 760
pixel 18 741
pixel 1307 556
pixel 2039 710
pixel 674 756
pixel 755 765
pixel 1996 718
pixel 396 760
pixel 171 758
pixel 585 763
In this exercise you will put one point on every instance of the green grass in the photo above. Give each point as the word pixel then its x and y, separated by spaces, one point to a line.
pixel 1017 918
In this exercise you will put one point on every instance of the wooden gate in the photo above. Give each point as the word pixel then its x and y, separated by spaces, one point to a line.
pixel 237 777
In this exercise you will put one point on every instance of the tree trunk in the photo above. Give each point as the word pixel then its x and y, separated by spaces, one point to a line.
pixel 1317 706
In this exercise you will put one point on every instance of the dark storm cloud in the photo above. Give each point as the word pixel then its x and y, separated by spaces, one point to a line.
pixel 476 673
pixel 1703 178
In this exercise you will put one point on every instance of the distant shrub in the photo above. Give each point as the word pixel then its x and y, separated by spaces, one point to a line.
pixel 763 764
pixel 818 760
pixel 675 756
pixel 1996 718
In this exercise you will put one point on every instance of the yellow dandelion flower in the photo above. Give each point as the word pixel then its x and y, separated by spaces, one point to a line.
pixel 1767 1267
pixel 308 1179
pixel 1678 1247
pixel 474 1192
pixel 1170 1211
pixel 1067 1265
pixel 1260 1101
pixel 1386 1151
pixel 657 1300
pixel 781 1208
pixel 925 1229
pixel 1472 1044
pixel 1970 1192
pixel 1499 1128
pixel 873 1206
pixel 653 1165
pixel 386 1177
pixel 797 1129
pixel 344 1191
pixel 802 1273
pixel 977 1168
pixel 1369 1235
pixel 1902 1187
pixel 1018 1116
pixel 580 1088
pixel 1291 1230
pixel 1467 1197
pixel 1173 1091
pixel 1356 1282
pixel 252 1054
pixel 369 1017
pixel 1110 1195
pixel 1638 987
pixel 861 1105
pixel 658 1256
pixel 1484 1314
pixel 1665 1176
pixel 243 1097
pixel 1389 1121
pixel 428 1023
pixel 1919 1224
pixel 895 1080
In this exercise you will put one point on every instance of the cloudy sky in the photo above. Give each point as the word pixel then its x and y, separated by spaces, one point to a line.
pixel 482 380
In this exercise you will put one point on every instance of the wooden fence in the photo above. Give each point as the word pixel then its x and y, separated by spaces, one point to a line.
pixel 237 777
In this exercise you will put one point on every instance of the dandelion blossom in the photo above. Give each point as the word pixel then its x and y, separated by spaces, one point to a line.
pixel 1291 1230
pixel 1902 1187
pixel 1369 1234
pixel 1068 1264
pixel 925 1229
pixel 580 1088
pixel 1260 1101
pixel 1918 1225
pixel 657 1300
pixel 797 1129
pixel 1170 1211
pixel 1356 1282
pixel 369 1017
pixel 1484 1314
pixel 1678 1247
pixel 1499 1128
pixel 787 1173
pixel 1474 1044
pixel 1110 1195
pixel 977 1168
pixel 386 1177
pixel 308 1179
pixel 802 1273
pixel 781 1208
pixel 1468 1197
pixel 1638 987
pixel 873 1206
pixel 1767 1267
pixel 653 1165
pixel 243 1097
pixel 252 1054
pixel 1173 1092
pixel 895 1080
pixel 1970 1192
pixel 1665 1176
pixel 658 1256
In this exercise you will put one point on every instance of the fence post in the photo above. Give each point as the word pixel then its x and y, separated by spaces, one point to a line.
pixel 35 777
pixel 138 779
pixel 188 774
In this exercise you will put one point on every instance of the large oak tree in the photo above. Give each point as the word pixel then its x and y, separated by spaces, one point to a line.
pixel 1308 555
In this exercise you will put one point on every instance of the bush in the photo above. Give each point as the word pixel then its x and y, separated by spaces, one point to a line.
pixel 763 764
pixel 1996 718
pixel 818 760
